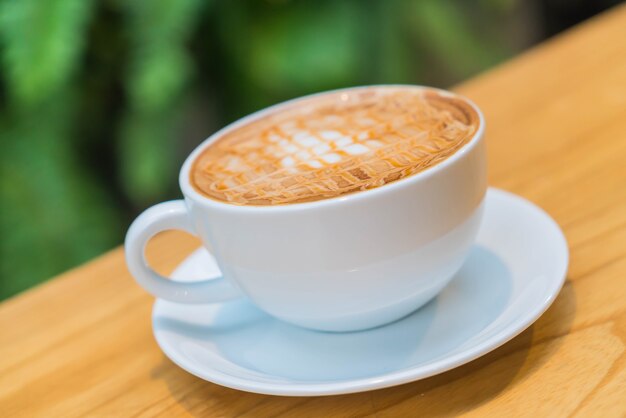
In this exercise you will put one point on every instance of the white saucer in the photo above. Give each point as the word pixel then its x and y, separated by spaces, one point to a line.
pixel 514 273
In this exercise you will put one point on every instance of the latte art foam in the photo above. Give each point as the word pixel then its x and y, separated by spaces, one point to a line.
pixel 334 144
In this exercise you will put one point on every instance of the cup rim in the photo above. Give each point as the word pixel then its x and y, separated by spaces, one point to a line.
pixel 189 191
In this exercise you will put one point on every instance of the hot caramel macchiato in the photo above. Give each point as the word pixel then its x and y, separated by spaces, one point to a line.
pixel 333 144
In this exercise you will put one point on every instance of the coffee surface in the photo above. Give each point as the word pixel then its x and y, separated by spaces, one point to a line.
pixel 333 144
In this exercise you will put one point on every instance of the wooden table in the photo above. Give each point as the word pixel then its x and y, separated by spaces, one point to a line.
pixel 81 344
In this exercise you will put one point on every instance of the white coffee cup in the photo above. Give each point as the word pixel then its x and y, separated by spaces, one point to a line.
pixel 340 264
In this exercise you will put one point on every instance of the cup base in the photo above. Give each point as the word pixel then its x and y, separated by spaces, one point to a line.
pixel 372 319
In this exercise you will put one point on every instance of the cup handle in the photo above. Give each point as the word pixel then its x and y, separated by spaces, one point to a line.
pixel 161 217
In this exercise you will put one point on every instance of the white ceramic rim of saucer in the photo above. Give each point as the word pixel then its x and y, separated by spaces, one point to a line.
pixel 402 375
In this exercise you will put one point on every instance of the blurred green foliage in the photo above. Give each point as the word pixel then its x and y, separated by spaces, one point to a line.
pixel 101 100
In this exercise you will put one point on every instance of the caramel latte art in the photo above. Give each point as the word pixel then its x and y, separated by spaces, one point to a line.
pixel 333 144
